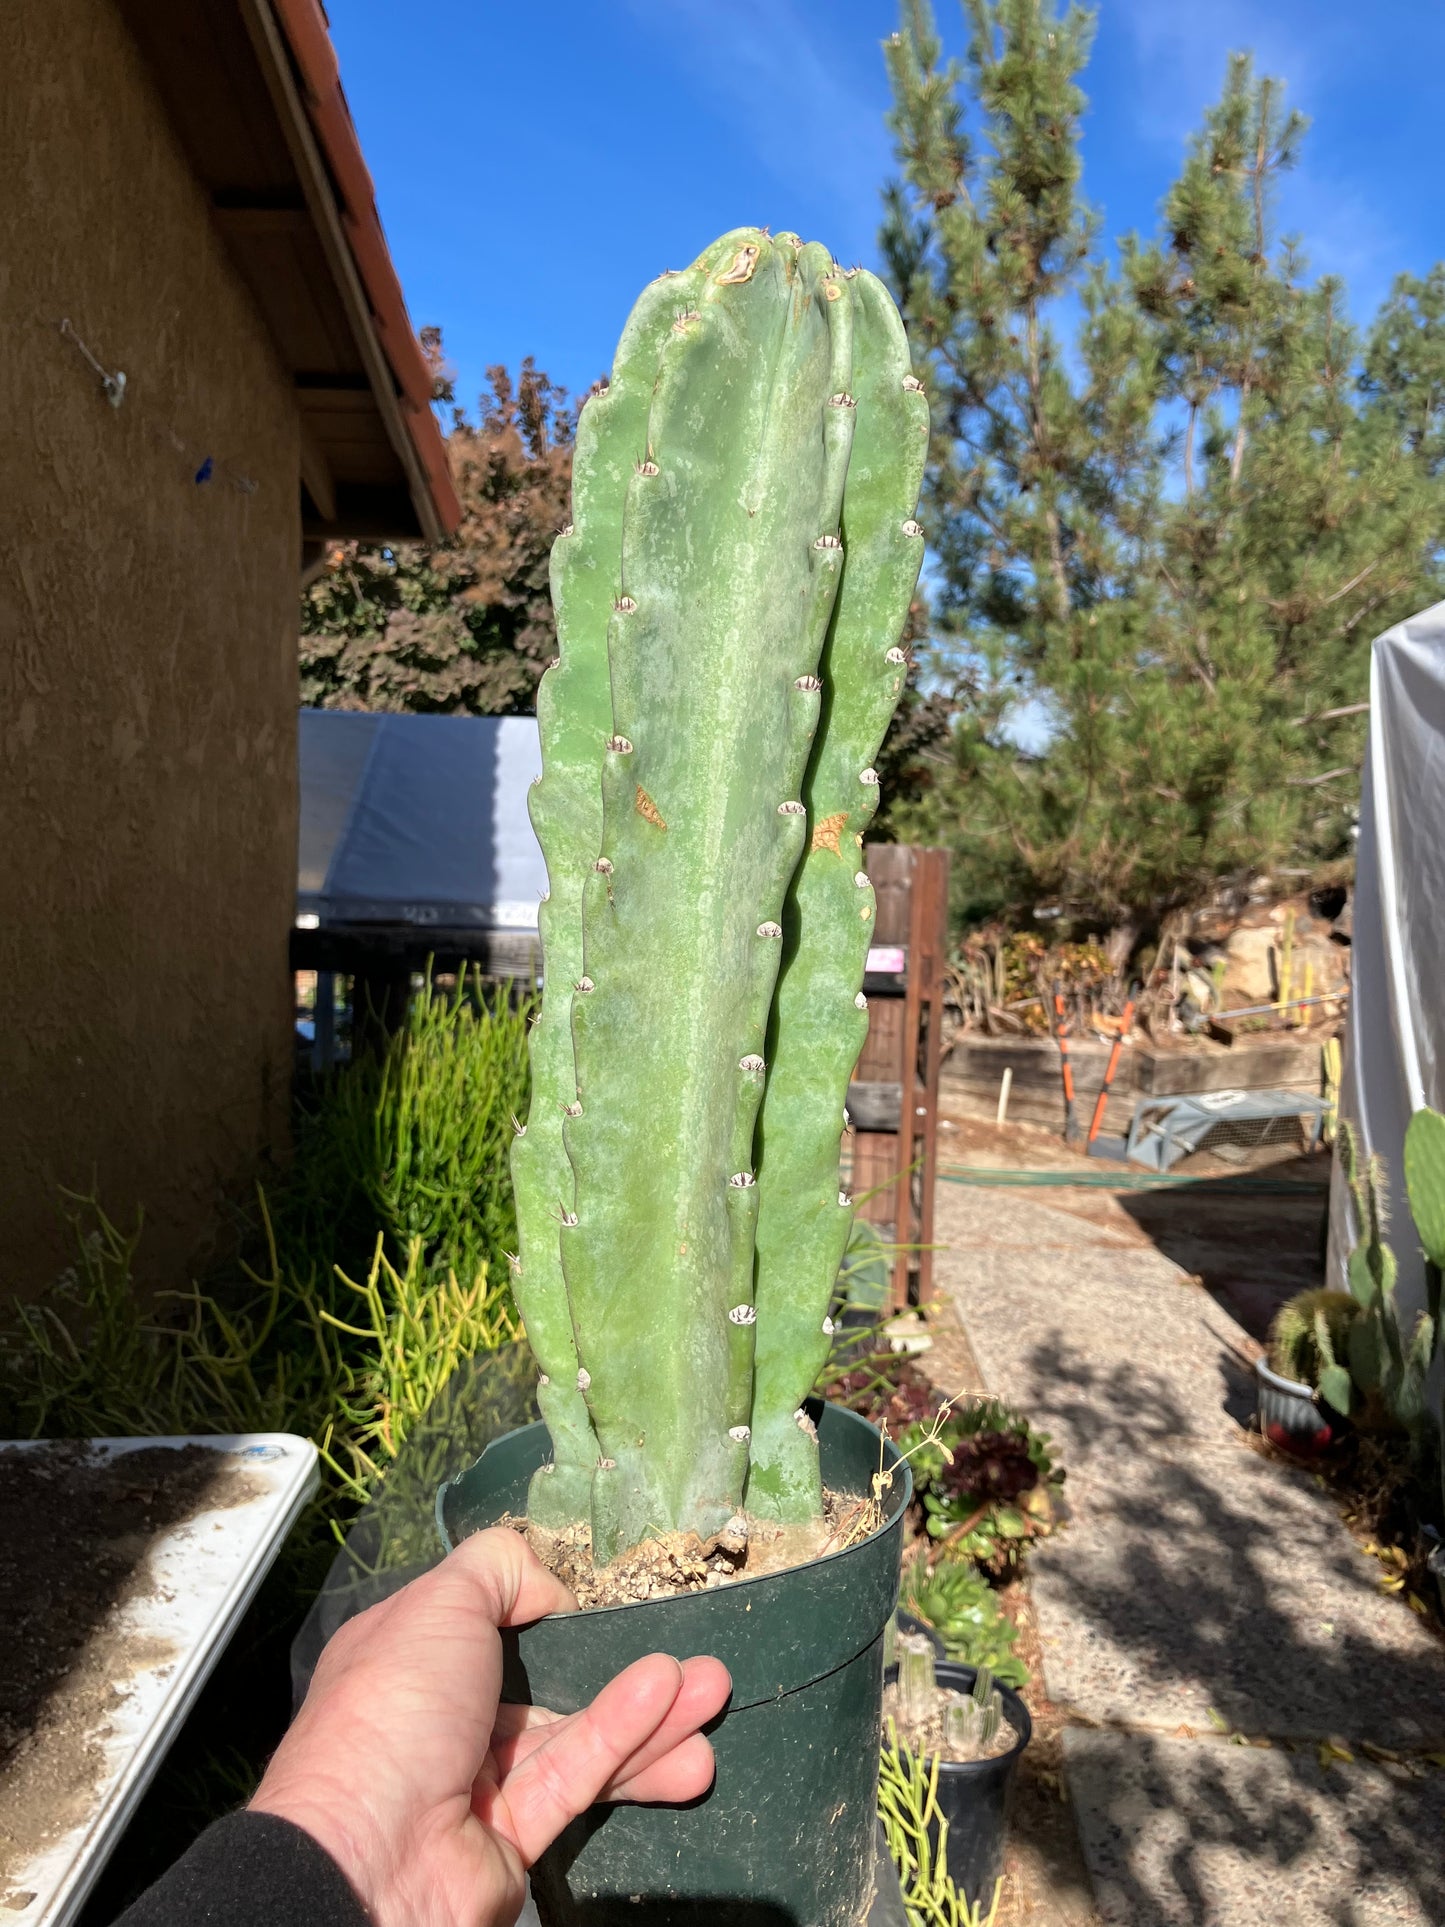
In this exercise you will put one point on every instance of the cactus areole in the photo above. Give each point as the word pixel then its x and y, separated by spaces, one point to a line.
pixel 730 595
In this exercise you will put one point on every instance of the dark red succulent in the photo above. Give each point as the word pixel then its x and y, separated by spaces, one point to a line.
pixel 992 1467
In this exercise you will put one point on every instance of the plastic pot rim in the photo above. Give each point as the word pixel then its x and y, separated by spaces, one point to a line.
pixel 1277 1382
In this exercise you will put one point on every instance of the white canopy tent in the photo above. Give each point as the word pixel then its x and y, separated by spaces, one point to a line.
pixel 1395 1044
pixel 418 821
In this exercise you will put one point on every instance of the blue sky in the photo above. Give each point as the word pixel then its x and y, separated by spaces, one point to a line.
pixel 536 164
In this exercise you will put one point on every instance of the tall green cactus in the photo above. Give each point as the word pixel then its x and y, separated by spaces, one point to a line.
pixel 694 595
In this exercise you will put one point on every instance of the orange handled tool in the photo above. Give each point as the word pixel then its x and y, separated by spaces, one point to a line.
pixel 1110 1068
pixel 1061 1037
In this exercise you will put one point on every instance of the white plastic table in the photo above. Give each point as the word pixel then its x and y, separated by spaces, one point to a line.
pixel 207 1569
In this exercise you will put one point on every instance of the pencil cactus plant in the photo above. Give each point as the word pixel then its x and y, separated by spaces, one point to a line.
pixel 730 595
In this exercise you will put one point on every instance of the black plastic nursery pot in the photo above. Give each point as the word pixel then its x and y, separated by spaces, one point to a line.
pixel 785 1837
pixel 974 1795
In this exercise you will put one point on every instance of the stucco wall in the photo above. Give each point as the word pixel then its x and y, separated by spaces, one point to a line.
pixel 147 669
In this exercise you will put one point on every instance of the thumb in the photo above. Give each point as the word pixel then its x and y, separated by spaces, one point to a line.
pixel 581 1756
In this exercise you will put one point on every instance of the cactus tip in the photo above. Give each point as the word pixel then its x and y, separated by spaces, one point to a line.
pixel 860 1002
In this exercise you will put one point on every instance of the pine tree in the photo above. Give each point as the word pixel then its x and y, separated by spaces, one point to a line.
pixel 1164 539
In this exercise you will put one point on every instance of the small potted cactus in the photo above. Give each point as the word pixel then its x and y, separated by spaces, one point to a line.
pixel 1304 1386
pixel 730 595
pixel 970 1732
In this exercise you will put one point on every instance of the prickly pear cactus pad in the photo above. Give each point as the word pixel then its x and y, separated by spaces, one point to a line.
pixel 695 590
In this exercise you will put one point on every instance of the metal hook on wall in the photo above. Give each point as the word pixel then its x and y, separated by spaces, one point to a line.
pixel 113 384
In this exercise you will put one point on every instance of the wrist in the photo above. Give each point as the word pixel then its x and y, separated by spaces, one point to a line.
pixel 337 1823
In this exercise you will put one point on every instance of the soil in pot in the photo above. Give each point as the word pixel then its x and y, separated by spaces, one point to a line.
pixel 785 1838
pixel 76 1530
pixel 678 1562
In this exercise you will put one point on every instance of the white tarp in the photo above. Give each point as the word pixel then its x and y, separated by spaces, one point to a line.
pixel 418 820
pixel 1395 1044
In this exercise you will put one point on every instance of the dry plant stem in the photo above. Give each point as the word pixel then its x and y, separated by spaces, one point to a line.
pixel 866 1516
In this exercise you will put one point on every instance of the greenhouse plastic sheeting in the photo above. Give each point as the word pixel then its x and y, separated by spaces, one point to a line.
pixel 418 820
pixel 1395 1043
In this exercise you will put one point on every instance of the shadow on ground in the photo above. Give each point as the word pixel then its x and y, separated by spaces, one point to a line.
pixel 1202 1587
pixel 1250 1249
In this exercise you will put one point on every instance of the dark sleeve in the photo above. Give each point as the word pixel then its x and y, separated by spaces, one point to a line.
pixel 248 1870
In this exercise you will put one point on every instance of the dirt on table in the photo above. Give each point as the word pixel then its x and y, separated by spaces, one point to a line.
pixel 77 1527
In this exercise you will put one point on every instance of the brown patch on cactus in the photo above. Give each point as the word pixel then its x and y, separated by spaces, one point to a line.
pixel 740 268
pixel 827 832
pixel 648 810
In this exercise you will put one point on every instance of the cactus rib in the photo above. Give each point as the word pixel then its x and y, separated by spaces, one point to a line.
pixel 574 716
pixel 818 1026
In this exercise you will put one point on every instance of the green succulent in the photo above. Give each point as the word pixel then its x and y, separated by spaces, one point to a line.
pixel 963 1609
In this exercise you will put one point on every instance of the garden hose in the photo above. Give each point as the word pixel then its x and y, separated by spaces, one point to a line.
pixel 981 1174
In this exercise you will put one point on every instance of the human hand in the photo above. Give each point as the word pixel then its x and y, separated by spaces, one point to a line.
pixel 431 1797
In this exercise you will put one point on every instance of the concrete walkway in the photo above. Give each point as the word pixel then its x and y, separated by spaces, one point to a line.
pixel 1205 1621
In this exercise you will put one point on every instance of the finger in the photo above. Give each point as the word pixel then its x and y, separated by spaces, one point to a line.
pixel 515 1586
pixel 704 1692
pixel 685 1773
pixel 520 1730
pixel 578 1756
pixel 513 1721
